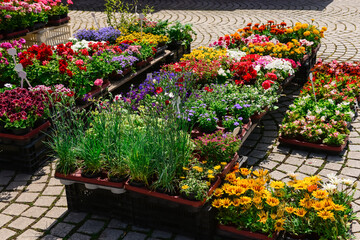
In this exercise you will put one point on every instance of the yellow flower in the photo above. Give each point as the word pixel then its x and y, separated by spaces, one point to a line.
pixel 245 171
pixel 279 225
pixel 244 200
pixel 185 169
pixel 300 212
pixel 272 201
pixel 262 217
pixel 210 176
pixel 236 202
pixel 218 192
pixel 210 171
pixel 289 30
pixel 199 169
pixel 306 203
pixel 318 205
pixel 289 209
pixel 307 33
pixel 305 25
pixel 182 177
pixel 184 187
pixel 320 194
pixel 223 163
pixel 226 202
pixel 338 207
pixel 217 203
pixel 324 29
pixel 325 214
pixel 315 31
pixel 277 184
pixel 217 167
pixel 261 173
pixel 257 200
pixel 273 216
pixel 328 204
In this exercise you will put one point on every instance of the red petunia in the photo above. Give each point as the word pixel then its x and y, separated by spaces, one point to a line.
pixel 159 90
pixel 267 84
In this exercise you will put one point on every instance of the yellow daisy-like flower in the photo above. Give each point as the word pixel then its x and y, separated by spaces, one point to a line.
pixel 306 203
pixel 218 192
pixel 325 214
pixel 260 173
pixel 217 203
pixel 318 205
pixel 185 169
pixel 226 202
pixel 236 202
pixel 210 171
pixel 244 200
pixel 223 163
pixel 210 176
pixel 328 204
pixel 338 207
pixel 300 212
pixel 217 167
pixel 279 225
pixel 272 201
pixel 184 187
pixel 245 171
pixel 257 200
pixel 277 184
pixel 289 209
pixel 320 194
pixel 262 217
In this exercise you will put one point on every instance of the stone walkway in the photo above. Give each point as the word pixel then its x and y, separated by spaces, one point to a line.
pixel 34 206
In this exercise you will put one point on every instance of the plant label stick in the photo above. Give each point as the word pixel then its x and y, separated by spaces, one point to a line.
pixel 18 67
pixel 93 14
pixel 22 75
pixel 149 76
pixel 312 84
pixel 141 16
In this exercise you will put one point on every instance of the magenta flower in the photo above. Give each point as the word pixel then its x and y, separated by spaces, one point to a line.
pixel 98 82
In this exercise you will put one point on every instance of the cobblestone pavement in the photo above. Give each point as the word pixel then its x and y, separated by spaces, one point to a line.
pixel 34 206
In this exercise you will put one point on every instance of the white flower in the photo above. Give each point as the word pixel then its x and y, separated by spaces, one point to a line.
pixel 292 174
pixel 331 176
pixel 236 54
pixel 347 181
pixel 329 187
pixel 221 72
pixel 335 181
pixel 8 85
pixel 154 80
pixel 171 95
pixel 117 97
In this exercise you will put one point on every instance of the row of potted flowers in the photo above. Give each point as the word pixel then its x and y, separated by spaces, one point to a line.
pixel 19 17
pixel 251 205
pixel 322 120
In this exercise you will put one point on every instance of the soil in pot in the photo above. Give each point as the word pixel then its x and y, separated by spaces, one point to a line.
pixel 190 196
pixel 90 174
pixel 136 183
pixel 21 131
pixel 165 191
pixel 118 178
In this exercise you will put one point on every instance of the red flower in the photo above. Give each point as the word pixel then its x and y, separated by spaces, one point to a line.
pixel 267 84
pixel 167 102
pixel 159 90
pixel 208 89
pixel 271 76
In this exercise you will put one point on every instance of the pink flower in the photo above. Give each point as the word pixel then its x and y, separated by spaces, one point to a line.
pixel 79 62
pixel 7 16
pixel 69 2
pixel 98 82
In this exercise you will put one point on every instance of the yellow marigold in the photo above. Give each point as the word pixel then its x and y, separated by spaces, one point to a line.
pixel 218 192
pixel 305 25
pixel 244 200
pixel 306 33
pixel 320 194
pixel 279 225
pixel 325 214
pixel 226 202
pixel 289 209
pixel 289 30
pixel 210 176
pixel 296 28
pixel 315 31
pixel 245 171
pixel 277 184
pixel 300 212
pixel 184 187
pixel 324 29
pixel 217 203
pixel 338 207
pixel 272 201
pixel 318 205
pixel 210 171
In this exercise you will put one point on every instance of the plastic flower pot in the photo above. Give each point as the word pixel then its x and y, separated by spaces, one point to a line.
pixel 58 22
pixel 233 233
pixel 16 33
pixel 141 64
pixel 258 116
pixel 317 146
pixel 229 166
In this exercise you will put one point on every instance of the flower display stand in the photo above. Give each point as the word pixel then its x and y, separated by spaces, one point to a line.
pixel 178 50
pixel 307 64
pixel 24 152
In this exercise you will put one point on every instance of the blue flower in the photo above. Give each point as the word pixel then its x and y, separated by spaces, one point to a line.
pixel 237 106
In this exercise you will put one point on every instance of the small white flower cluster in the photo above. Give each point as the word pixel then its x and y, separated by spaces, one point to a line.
pixel 222 72
pixel 82 45
pixel 334 182
pixel 236 54
pixel 280 64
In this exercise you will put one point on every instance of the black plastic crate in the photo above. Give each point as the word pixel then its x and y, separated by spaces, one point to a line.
pixel 99 201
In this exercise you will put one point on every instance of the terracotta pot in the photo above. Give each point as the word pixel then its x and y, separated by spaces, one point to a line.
pixel 259 116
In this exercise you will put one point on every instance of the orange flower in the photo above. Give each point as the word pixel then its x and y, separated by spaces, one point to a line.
pixel 320 194
pixel 279 225
pixel 324 214
pixel 245 171
pixel 312 188
pixel 225 202
pixel 217 203
pixel 272 201
pixel 236 202
pixel 218 192
pixel 244 200
pixel 289 209
pixel 318 205
pixel 300 212
pixel 338 207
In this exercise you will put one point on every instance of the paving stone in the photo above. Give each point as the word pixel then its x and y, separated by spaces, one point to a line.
pixel 6 233
pixel 354 155
pixel 62 229
pixel 22 177
pixel 263 146
pixel 318 155
pixel 44 223
pixel 75 217
pixel 4 219
pixel 2 205
pixel 335 158
pixel 21 223
pixel 181 237
pixel 51 237
pixel 295 161
pixel 16 186
pixel 30 234
pixel 252 161
pixel 15 209
pixel 140 229
pixel 355 148
pixel 44 201
pixel 40 179
pixel 244 151
pixel 114 223
pixel 99 217
pixel 268 164
pixel 258 154
pixel 308 169
pixel 134 236
pixel 161 234
pixel 333 166
pixel 281 149
pixel 350 172
pixel 314 162
pixel 34 212
pixel 54 191
pixel 355 227
pixel 287 168
pixel 7 173
pixel 79 236
pixel 111 234
pixel 299 153
pixel 5 180
pixel 353 163
pixel 61 202
pixel 27 197
pixel 35 187
pixel 56 212
pixel 277 175
pixel 55 182
pixel 91 226
pixel 276 157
